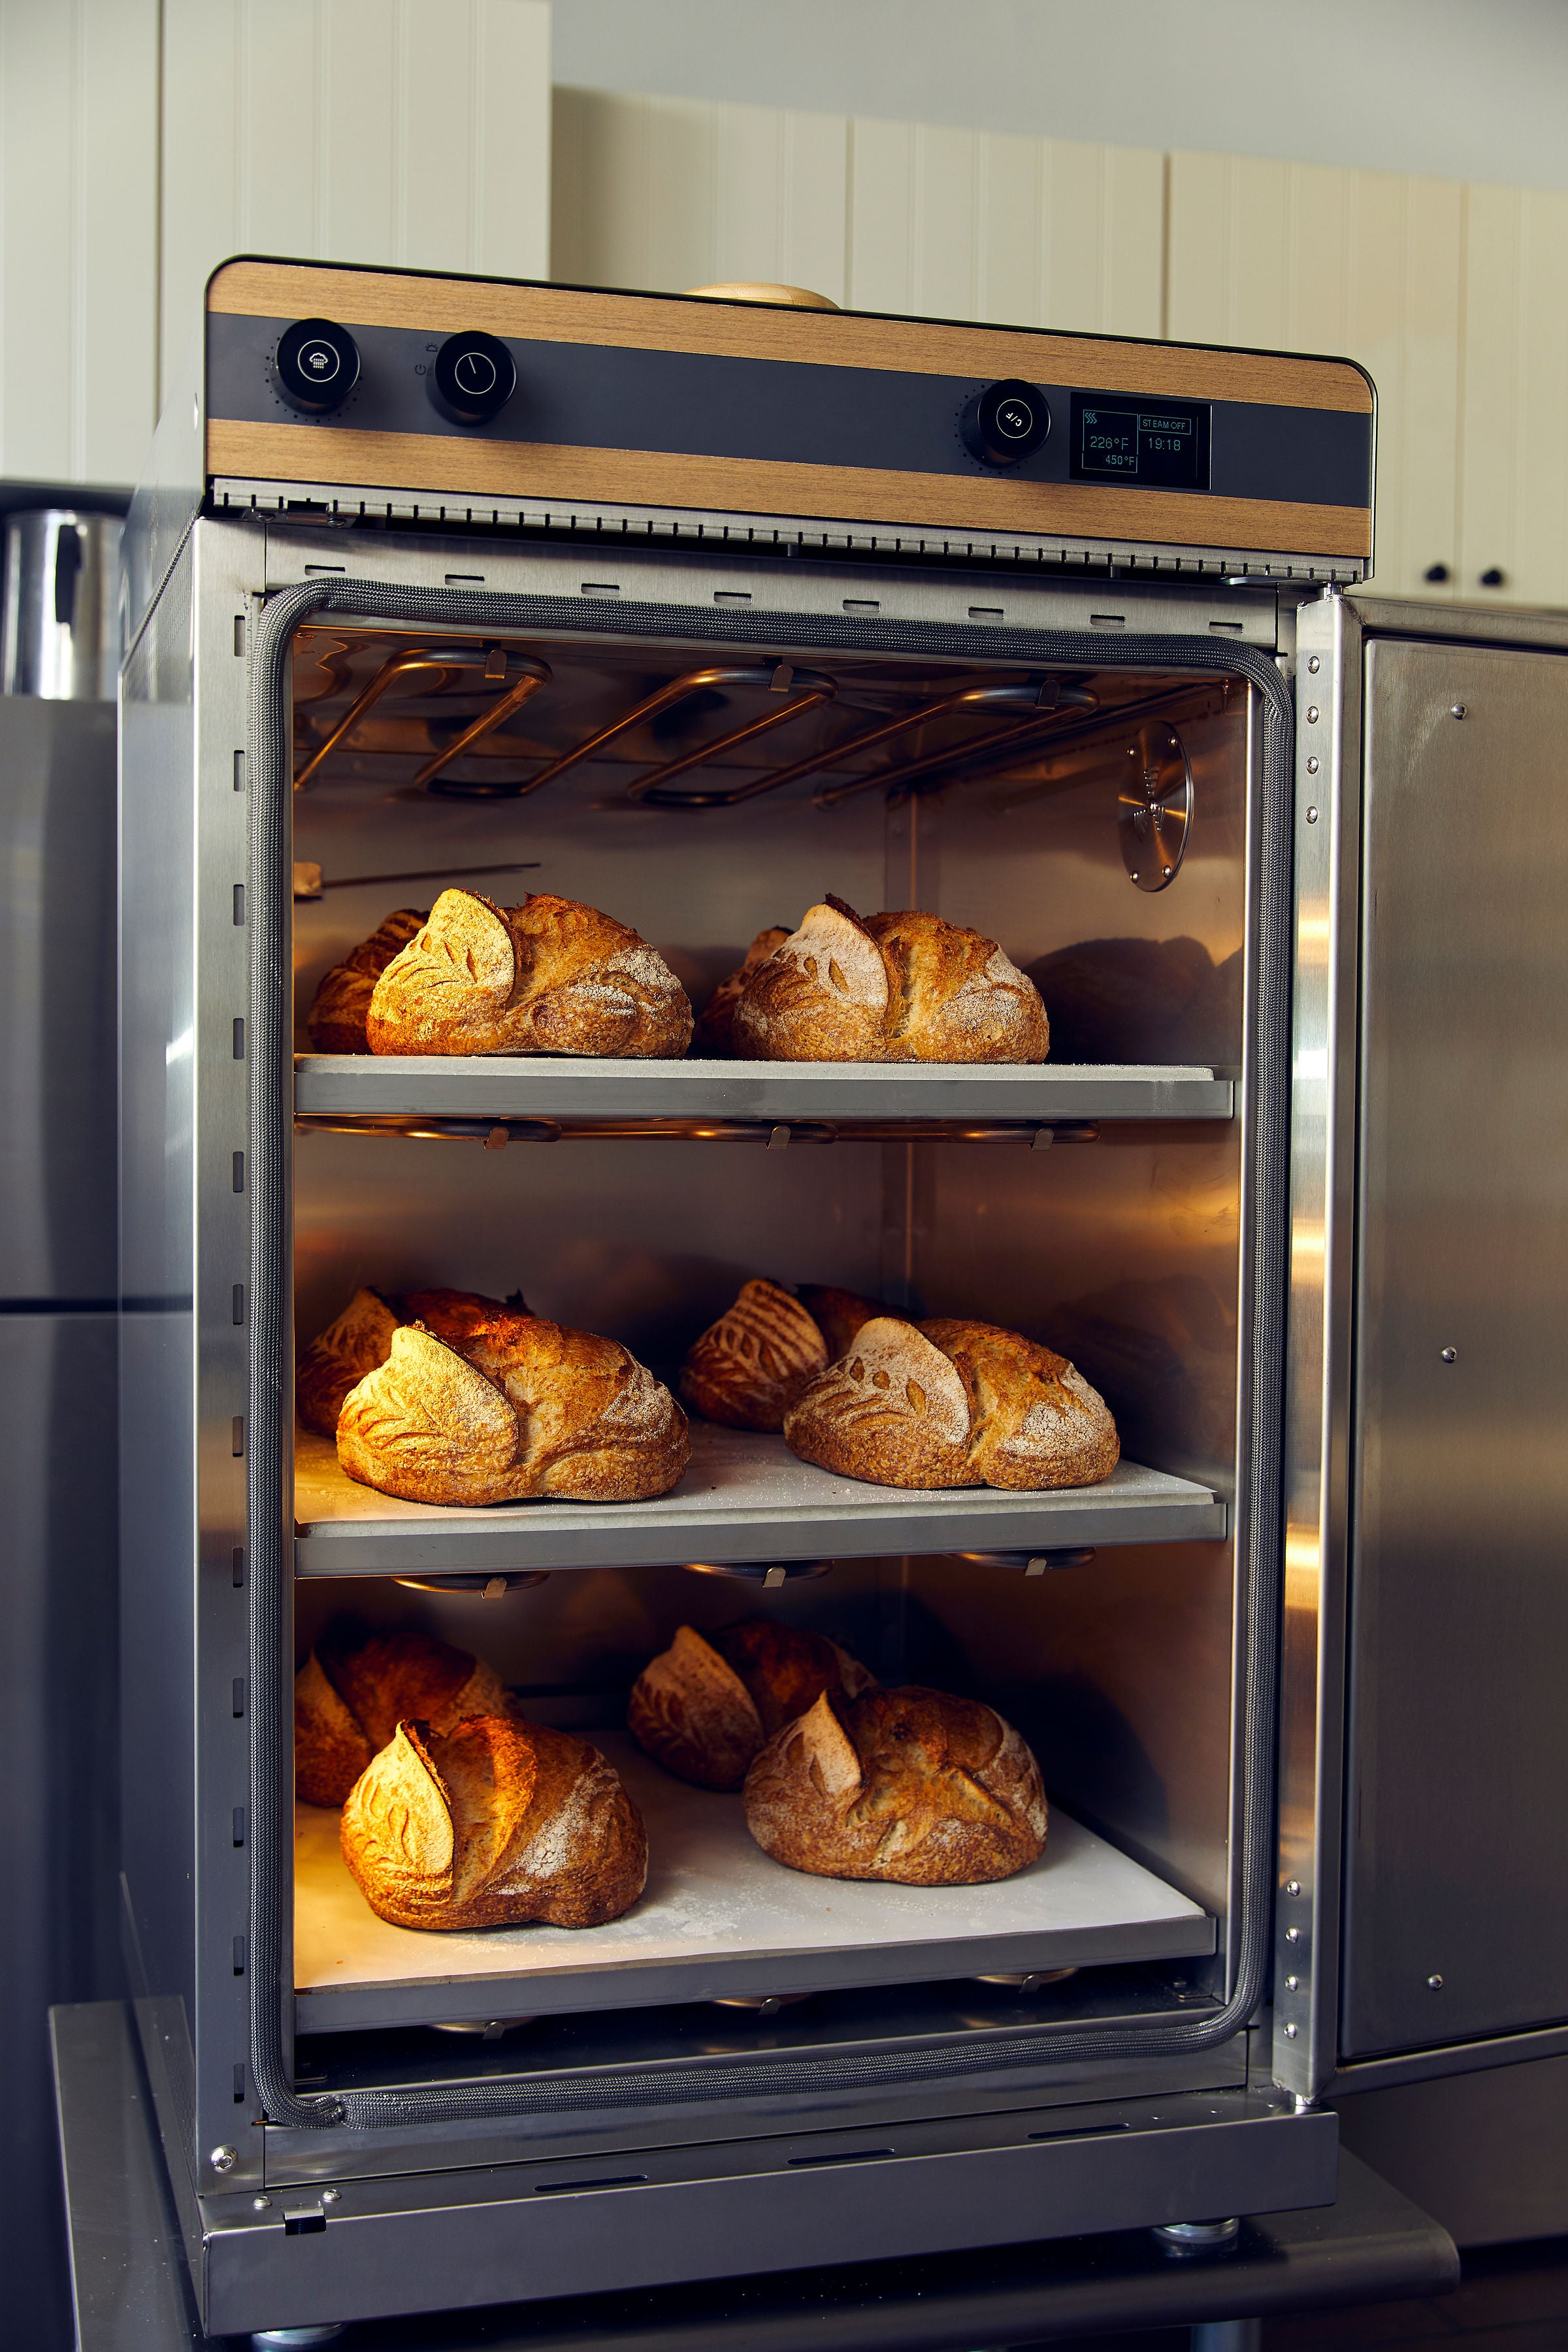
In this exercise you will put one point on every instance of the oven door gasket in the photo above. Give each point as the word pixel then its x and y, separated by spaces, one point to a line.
pixel 268 1466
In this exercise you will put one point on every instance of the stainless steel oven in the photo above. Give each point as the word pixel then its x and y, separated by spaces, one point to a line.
pixel 696 609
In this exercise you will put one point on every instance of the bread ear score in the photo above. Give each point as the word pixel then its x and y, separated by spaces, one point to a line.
pixel 911 1785
pixel 360 1338
pixel 704 1709
pixel 954 1403
pixel 341 1005
pixel 551 976
pixel 490 1824
pixel 904 987
pixel 523 1408
pixel 747 1369
pixel 348 1696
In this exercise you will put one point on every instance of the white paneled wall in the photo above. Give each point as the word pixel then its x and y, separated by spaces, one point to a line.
pixel 660 193
pixel 663 193
pixel 1025 232
pixel 373 131
pixel 1513 491
pixel 79 237
pixel 1304 257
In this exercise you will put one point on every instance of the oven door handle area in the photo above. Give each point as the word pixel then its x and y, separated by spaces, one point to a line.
pixel 269 1467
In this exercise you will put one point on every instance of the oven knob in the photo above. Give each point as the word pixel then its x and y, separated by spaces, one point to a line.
pixel 1005 422
pixel 316 365
pixel 472 379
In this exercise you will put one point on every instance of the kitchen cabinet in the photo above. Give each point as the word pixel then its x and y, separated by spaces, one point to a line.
pixel 1513 476
pixel 1300 257
pixel 667 193
pixel 79 247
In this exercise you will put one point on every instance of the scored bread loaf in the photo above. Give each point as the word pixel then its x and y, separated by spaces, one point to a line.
pixel 714 1034
pixel 551 976
pixel 953 1402
pixel 747 1369
pixel 521 1408
pixel 360 1338
pixel 355 1688
pixel 904 987
pixel 493 1824
pixel 337 1017
pixel 911 1785
pixel 702 1708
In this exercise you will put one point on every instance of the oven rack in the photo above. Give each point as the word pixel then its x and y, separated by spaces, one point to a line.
pixel 544 1087
pixel 744 1496
pixel 719 1919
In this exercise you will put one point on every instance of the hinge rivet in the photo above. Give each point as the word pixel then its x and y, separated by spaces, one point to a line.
pixel 1289 2033
pixel 1436 1983
pixel 1293 1886
pixel 223 2159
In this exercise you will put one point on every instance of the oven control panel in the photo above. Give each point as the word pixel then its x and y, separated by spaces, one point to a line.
pixel 682 404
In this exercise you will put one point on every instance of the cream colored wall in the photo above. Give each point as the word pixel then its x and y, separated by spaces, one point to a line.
pixel 142 142
pixel 1454 298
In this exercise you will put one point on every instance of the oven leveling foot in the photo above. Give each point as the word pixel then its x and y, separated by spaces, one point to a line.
pixel 293 2340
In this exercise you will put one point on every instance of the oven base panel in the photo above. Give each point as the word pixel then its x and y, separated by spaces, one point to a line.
pixel 527 2232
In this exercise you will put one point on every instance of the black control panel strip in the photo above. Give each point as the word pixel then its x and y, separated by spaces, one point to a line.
pixel 683 404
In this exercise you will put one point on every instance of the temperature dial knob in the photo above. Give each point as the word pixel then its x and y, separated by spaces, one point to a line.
pixel 473 378
pixel 315 366
pixel 1005 422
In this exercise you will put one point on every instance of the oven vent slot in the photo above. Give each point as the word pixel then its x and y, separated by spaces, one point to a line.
pixel 840 2155
pixel 575 2188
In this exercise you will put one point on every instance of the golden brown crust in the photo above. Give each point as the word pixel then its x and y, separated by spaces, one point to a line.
pixel 693 1714
pixel 953 1402
pixel 704 1708
pixel 551 976
pixel 336 1023
pixel 353 1690
pixel 911 1785
pixel 747 1369
pixel 527 1408
pixel 492 1824
pixel 360 1339
pixel 899 987
pixel 712 1035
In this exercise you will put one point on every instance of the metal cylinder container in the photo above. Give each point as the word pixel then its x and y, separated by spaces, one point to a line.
pixel 60 637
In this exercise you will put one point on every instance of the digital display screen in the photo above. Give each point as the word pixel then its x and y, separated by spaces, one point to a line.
pixel 1121 437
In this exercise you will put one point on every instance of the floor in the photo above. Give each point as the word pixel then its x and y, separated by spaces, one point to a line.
pixel 1510 2299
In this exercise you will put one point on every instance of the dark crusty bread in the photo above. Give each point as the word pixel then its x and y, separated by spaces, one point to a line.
pixel 713 1035
pixel 904 987
pixel 338 1016
pixel 912 1785
pixel 703 1708
pixel 492 1824
pixel 551 976
pixel 354 1689
pixel 953 1402
pixel 747 1369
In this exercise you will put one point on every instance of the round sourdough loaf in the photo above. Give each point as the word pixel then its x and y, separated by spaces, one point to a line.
pixel 905 987
pixel 953 1402
pixel 911 1785
pixel 360 1338
pixel 702 1708
pixel 747 1369
pixel 355 1688
pixel 490 1824
pixel 713 1034
pixel 551 976
pixel 341 1005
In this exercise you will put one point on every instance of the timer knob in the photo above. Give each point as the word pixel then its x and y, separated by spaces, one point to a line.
pixel 473 378
pixel 1005 422
pixel 315 366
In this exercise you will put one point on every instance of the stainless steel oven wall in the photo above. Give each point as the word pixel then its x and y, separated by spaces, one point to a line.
pixel 185 1674
pixel 1126 1254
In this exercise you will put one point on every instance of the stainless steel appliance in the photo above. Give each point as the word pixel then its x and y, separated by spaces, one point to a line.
pixel 59 1667
pixel 695 609
pixel 59 617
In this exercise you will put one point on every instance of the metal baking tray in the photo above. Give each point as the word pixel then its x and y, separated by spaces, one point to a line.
pixel 550 1086
pixel 718 1918
pixel 743 1497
